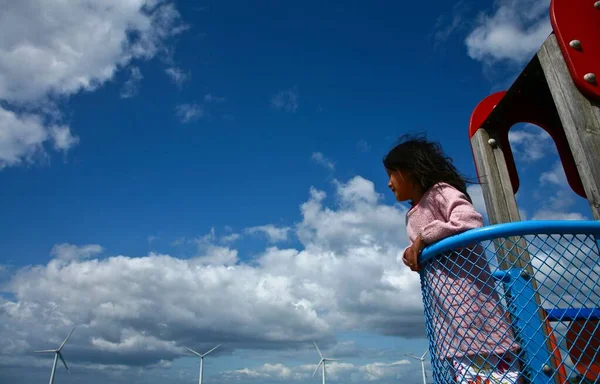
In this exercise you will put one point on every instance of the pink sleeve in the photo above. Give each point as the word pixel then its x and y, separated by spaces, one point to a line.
pixel 459 214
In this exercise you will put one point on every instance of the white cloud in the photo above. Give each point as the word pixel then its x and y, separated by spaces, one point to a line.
pixel 554 176
pixel 320 159
pixel 363 146
pixel 514 33
pixel 274 234
pixel 267 371
pixel 62 137
pixel 70 252
pixel 231 238
pixel 556 215
pixel 219 256
pixel 136 311
pixel 22 136
pixel 447 25
pixel 530 143
pixel 286 100
pixel 358 222
pixel 335 371
pixel 130 88
pixel 53 49
pixel 210 98
pixel 476 194
pixel 356 190
pixel 378 371
pixel 556 197
pixel 188 113
pixel 177 75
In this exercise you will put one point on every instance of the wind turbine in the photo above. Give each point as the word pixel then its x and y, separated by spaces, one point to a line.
pixel 422 359
pixel 57 354
pixel 201 356
pixel 321 362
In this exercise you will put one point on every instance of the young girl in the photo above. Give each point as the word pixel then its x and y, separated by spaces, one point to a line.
pixel 472 330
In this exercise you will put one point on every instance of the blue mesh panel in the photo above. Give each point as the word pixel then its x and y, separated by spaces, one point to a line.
pixel 514 303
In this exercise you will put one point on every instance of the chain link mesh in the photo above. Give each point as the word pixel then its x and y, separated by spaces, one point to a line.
pixel 518 309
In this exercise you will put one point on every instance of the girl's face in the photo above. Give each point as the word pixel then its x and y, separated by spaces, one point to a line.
pixel 400 184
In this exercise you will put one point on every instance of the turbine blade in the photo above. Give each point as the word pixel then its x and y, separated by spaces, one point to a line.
pixel 63 360
pixel 328 359
pixel 65 342
pixel 46 351
pixel 413 356
pixel 318 350
pixel 211 350
pixel 316 369
pixel 194 352
pixel 427 351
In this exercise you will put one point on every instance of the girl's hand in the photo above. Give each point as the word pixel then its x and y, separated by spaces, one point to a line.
pixel 410 258
pixel 411 255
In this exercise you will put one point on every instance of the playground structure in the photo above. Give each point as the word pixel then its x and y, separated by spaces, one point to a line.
pixel 543 276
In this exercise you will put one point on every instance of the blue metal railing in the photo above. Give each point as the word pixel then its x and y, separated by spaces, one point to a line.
pixel 487 322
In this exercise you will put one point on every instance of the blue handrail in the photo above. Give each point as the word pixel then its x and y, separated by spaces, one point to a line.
pixel 521 228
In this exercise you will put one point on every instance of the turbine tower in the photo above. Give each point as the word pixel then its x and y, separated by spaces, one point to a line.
pixel 57 354
pixel 422 359
pixel 321 362
pixel 201 356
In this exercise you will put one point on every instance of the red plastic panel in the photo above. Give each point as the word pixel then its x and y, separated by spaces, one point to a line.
pixel 483 110
pixel 579 20
pixel 478 117
pixel 525 113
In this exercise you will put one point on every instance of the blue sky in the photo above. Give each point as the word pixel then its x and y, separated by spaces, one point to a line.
pixel 190 173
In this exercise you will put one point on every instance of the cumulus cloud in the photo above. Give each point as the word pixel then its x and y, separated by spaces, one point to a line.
pixel 320 159
pixel 379 371
pixel 286 100
pixel 555 176
pixel 556 197
pixel 335 371
pixel 22 137
pixel 545 214
pixel 188 113
pixel 230 238
pixel 513 33
pixel 210 98
pixel 177 75
pixel 70 252
pixel 530 143
pixel 476 194
pixel 267 371
pixel 273 233
pixel 446 25
pixel 130 88
pixel 363 146
pixel 137 311
pixel 54 49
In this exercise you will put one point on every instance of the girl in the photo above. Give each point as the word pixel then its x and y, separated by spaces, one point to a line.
pixel 472 330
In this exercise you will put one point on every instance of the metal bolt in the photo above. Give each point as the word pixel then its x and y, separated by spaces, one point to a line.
pixel 575 44
pixel 492 142
pixel 547 369
pixel 597 4
pixel 590 77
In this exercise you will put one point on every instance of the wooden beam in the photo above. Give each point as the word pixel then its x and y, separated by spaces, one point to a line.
pixel 494 178
pixel 580 118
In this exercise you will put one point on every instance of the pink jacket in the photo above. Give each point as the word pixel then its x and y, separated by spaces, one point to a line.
pixel 462 305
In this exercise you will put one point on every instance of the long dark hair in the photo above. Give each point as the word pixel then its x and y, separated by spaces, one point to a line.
pixel 425 162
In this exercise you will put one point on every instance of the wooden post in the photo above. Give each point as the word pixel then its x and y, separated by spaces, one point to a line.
pixel 495 181
pixel 580 119
pixel 499 199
